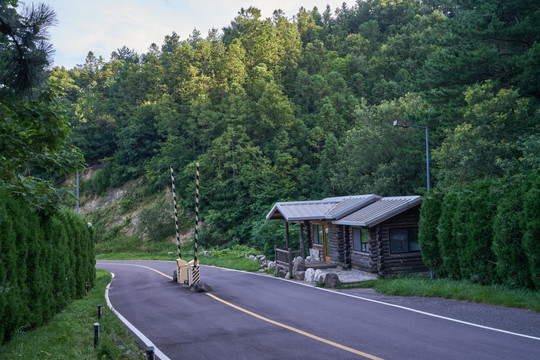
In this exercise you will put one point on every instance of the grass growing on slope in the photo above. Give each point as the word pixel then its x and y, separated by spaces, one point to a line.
pixel 458 290
pixel 70 334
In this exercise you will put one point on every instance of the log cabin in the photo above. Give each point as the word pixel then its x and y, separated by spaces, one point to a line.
pixel 366 232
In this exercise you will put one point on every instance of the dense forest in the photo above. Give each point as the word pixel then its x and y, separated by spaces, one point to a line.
pixel 286 109
pixel 302 107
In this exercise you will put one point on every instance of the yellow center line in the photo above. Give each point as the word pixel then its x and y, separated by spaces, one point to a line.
pixel 290 328
pixel 298 331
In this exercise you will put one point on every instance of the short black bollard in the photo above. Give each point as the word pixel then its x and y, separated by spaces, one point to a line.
pixel 99 311
pixel 150 353
pixel 96 335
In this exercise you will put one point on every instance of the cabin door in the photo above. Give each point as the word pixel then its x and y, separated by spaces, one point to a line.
pixel 326 243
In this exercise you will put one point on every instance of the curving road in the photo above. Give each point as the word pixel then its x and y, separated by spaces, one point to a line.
pixel 251 316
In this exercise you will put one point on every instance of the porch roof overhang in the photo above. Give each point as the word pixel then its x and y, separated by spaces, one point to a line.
pixel 380 211
pixel 326 209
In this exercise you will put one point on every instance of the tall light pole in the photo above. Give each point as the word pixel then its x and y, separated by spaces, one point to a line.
pixel 95 167
pixel 407 124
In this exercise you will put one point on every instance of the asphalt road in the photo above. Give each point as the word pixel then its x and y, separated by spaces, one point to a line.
pixel 251 316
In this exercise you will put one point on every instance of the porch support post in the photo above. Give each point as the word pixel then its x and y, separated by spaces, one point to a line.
pixel 309 235
pixel 302 252
pixel 287 242
pixel 348 261
pixel 290 262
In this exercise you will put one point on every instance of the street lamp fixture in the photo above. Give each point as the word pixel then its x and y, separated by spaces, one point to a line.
pixel 406 124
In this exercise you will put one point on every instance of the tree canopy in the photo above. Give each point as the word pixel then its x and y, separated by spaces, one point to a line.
pixel 296 108
pixel 35 148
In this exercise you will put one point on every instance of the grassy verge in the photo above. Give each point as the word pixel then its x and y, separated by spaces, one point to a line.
pixel 452 289
pixel 70 334
pixel 233 258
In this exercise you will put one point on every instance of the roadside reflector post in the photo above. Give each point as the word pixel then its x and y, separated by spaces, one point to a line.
pixel 96 335
pixel 150 353
pixel 99 311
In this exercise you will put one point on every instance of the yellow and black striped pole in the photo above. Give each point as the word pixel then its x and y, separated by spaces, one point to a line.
pixel 176 214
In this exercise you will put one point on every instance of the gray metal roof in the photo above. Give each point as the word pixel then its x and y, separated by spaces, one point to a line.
pixel 326 209
pixel 380 211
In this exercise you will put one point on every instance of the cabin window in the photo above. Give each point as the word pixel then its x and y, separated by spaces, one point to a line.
pixel 317 234
pixel 404 240
pixel 360 240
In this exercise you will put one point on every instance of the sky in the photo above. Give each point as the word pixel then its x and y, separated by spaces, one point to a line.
pixel 103 26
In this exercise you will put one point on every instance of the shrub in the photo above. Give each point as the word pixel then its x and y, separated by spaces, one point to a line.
pixel 428 232
pixel 45 262
pixel 9 294
pixel 157 221
pixel 447 242
pixel 487 231
pixel 512 263
pixel 476 259
pixel 531 226
pixel 265 234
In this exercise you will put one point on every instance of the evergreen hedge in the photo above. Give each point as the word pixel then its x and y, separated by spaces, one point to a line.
pixel 45 262
pixel 508 232
pixel 531 224
pixel 428 232
pixel 476 259
pixel 487 232
pixel 447 236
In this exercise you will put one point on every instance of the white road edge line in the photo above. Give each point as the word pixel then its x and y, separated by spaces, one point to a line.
pixel 436 316
pixel 131 327
pixel 397 306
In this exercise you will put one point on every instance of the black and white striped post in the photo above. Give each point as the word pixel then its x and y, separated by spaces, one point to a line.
pixel 176 214
pixel 195 275
pixel 196 217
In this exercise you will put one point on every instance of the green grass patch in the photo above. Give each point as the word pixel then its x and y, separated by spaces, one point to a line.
pixel 70 334
pixel 138 256
pixel 230 258
pixel 234 257
pixel 237 263
pixel 453 289
pixel 134 248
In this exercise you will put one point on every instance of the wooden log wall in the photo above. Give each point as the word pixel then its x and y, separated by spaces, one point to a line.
pixel 379 260
pixel 364 261
pixel 410 262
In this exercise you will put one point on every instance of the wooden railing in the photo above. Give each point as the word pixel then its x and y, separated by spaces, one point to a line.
pixel 285 257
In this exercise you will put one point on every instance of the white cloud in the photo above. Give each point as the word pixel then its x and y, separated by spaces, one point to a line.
pixel 102 26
